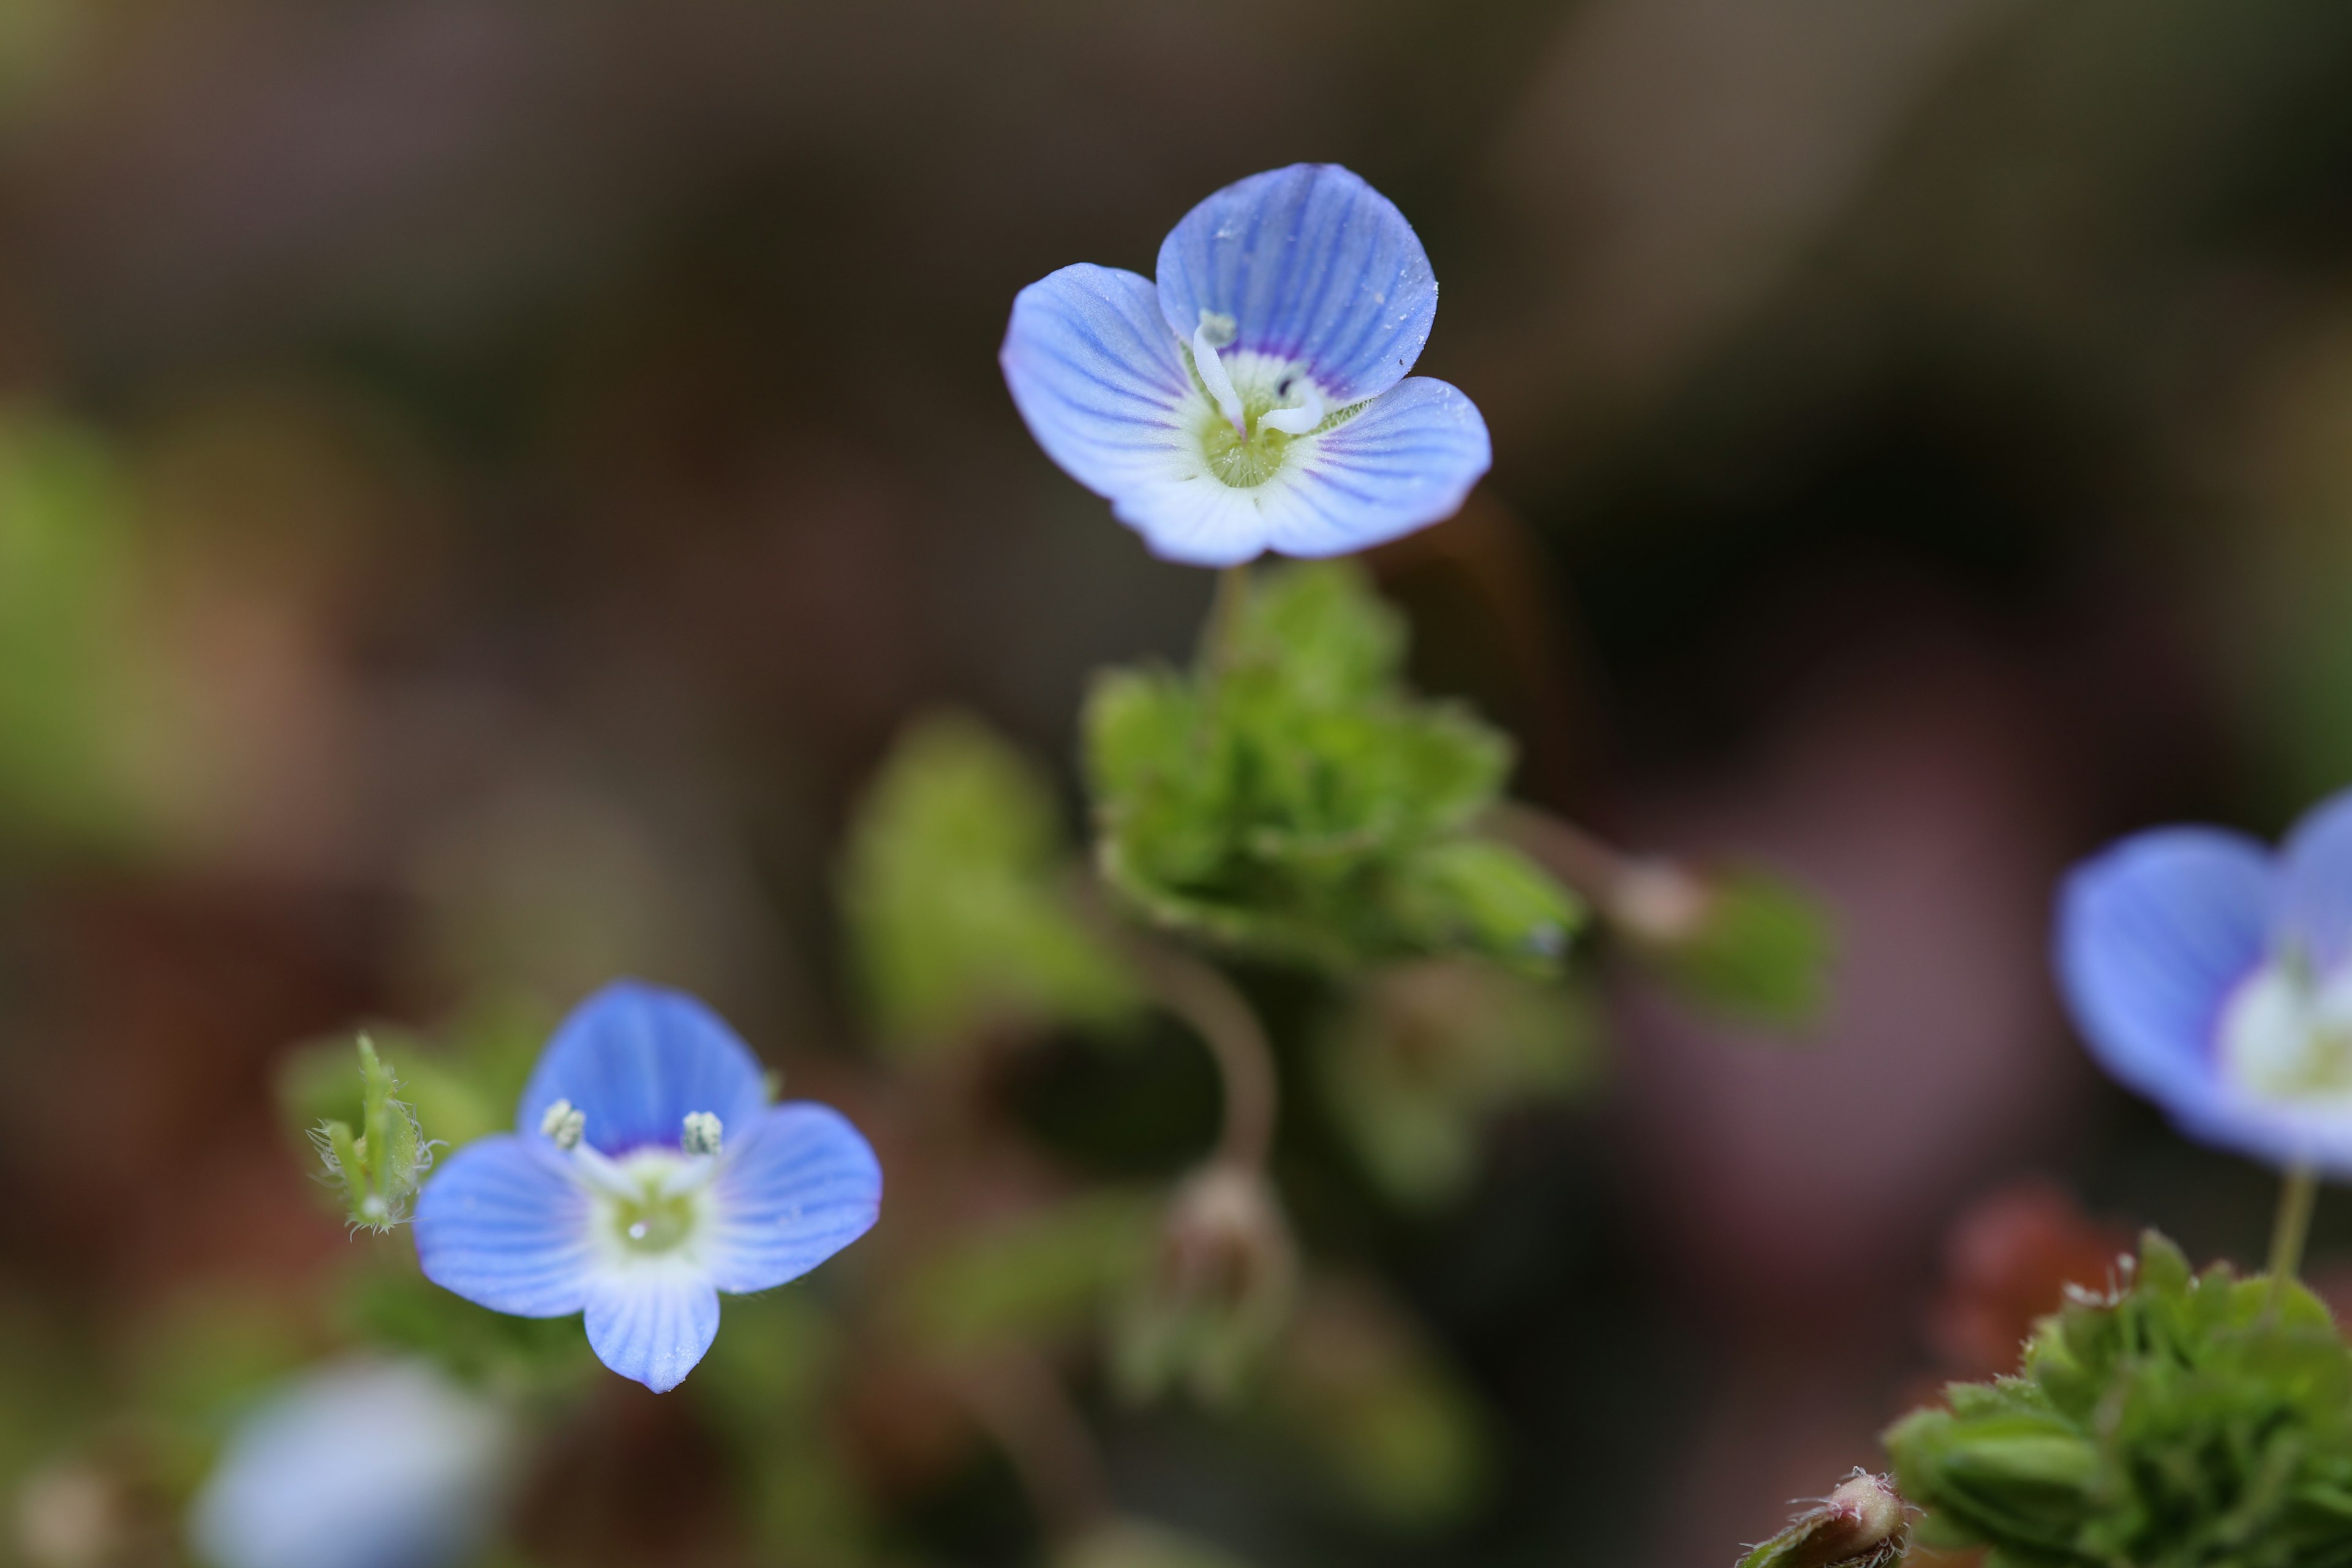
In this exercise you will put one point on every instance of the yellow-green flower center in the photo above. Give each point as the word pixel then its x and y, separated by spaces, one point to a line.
pixel 654 1221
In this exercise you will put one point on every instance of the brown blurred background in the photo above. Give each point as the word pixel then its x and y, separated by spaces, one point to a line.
pixel 535 455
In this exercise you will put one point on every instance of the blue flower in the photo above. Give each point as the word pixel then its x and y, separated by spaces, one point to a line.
pixel 1255 398
pixel 361 1465
pixel 2215 978
pixel 649 1173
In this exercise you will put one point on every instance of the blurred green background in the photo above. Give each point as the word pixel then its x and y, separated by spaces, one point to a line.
pixel 483 485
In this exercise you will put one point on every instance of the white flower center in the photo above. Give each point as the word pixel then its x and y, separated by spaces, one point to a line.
pixel 650 1204
pixel 2285 1036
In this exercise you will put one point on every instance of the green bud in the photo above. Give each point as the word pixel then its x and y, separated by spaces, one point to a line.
pixel 1741 941
pixel 379 1167
pixel 1218 1293
pixel 1863 1523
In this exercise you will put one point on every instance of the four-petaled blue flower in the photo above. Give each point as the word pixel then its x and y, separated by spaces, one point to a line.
pixel 1255 398
pixel 2215 978
pixel 648 1174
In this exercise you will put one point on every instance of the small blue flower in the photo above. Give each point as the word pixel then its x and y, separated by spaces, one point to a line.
pixel 1255 398
pixel 649 1173
pixel 2215 978
pixel 359 1464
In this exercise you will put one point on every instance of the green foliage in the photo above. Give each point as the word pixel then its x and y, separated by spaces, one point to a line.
pixel 1291 799
pixel 1425 1052
pixel 378 1168
pixel 67 674
pixel 2188 1420
pixel 1133 1543
pixel 954 888
pixel 1389 1427
pixel 1043 1276
pixel 1758 951
pixel 388 1303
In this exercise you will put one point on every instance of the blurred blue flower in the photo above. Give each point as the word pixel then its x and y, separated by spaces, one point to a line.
pixel 361 1465
pixel 1255 398
pixel 648 1174
pixel 2215 978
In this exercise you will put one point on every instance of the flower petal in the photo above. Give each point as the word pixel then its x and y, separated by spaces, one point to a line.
pixel 2314 909
pixel 800 1187
pixel 635 1059
pixel 2153 935
pixel 652 1321
pixel 1313 265
pixel 1406 460
pixel 1096 376
pixel 504 1223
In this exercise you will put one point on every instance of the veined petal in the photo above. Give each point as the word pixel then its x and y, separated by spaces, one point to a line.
pixel 2313 914
pixel 797 1188
pixel 635 1059
pixel 505 1225
pixel 1096 377
pixel 651 1323
pixel 1313 265
pixel 1405 459
pixel 2153 936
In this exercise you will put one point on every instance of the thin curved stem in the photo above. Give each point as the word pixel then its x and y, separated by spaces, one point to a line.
pixel 1655 899
pixel 1217 1011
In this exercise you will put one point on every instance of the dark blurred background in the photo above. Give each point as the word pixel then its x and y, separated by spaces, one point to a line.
pixel 524 462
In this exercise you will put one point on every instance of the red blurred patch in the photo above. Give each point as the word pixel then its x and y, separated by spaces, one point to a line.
pixel 2008 1260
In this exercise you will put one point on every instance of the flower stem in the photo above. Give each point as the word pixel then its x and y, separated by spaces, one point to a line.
pixel 1201 997
pixel 1225 616
pixel 1196 993
pixel 1654 899
pixel 2298 1191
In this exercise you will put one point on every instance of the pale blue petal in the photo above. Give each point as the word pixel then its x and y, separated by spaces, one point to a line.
pixel 504 1223
pixel 1406 460
pixel 2153 936
pixel 635 1059
pixel 2313 910
pixel 652 1321
pixel 802 1186
pixel 1096 377
pixel 361 1465
pixel 1313 265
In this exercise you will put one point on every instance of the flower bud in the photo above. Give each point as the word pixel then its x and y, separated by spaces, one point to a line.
pixel 1219 1291
pixel 1863 1523
pixel 380 1166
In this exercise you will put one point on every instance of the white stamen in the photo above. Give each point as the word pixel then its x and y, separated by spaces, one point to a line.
pixel 1213 333
pixel 1300 416
pixel 564 1124
pixel 702 1133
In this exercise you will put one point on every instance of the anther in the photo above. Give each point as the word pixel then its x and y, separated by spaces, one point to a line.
pixel 702 1133
pixel 1215 332
pixel 1300 416
pixel 564 1123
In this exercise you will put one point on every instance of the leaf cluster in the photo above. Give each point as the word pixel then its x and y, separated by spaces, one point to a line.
pixel 2185 1420
pixel 1289 798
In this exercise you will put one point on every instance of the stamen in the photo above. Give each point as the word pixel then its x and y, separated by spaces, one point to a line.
pixel 702 1133
pixel 1213 333
pixel 1300 416
pixel 564 1124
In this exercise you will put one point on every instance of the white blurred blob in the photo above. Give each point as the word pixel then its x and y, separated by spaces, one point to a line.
pixel 363 1463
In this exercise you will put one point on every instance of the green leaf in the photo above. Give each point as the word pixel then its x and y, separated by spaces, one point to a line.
pixel 1759 952
pixel 1292 800
pixel 954 888
pixel 2189 1419
pixel 1426 1052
